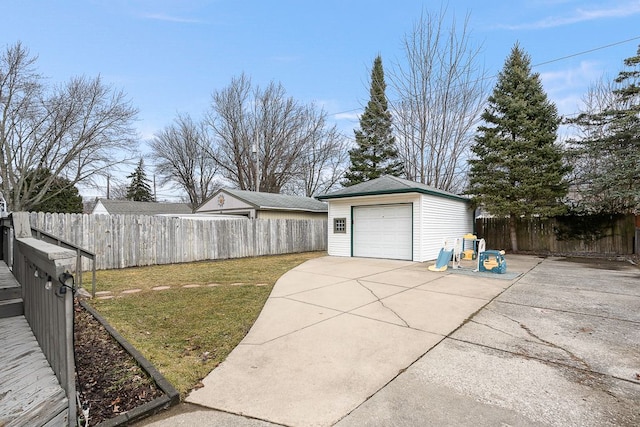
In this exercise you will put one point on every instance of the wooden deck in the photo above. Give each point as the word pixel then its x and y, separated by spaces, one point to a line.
pixel 30 394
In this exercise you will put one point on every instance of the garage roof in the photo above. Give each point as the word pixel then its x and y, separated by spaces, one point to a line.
pixel 388 184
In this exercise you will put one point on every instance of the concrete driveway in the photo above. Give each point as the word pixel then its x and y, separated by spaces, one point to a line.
pixel 352 342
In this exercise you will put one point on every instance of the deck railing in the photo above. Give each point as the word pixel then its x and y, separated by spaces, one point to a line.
pixel 6 245
pixel 43 270
pixel 80 253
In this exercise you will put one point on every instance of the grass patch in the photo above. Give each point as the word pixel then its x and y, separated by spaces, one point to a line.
pixel 186 333
pixel 256 270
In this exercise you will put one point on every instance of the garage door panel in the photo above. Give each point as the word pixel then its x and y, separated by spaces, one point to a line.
pixel 384 231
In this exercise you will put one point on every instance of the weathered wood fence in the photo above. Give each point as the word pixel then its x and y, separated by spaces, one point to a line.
pixel 603 234
pixel 120 241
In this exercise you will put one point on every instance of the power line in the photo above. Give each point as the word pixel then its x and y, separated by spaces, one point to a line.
pixel 586 51
pixel 562 58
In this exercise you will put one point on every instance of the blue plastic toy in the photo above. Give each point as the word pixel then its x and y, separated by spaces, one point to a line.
pixel 492 261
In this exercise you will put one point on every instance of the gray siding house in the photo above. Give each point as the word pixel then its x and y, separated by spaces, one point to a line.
pixel 257 205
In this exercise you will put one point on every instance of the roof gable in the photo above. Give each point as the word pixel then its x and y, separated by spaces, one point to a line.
pixel 262 201
pixel 222 200
pixel 388 184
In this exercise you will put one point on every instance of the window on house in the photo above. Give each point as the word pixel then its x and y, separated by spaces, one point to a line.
pixel 339 225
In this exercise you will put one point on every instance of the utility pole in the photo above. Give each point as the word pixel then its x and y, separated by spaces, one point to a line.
pixel 256 152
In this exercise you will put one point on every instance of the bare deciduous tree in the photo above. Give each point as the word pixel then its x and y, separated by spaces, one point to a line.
pixel 180 159
pixel 76 131
pixel 263 139
pixel 606 150
pixel 322 166
pixel 438 95
pixel 585 163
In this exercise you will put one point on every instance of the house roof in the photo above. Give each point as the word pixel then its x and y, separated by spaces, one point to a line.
pixel 388 184
pixel 272 201
pixel 128 207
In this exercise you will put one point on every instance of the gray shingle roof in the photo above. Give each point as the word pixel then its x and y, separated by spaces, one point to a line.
pixel 388 184
pixel 128 207
pixel 278 201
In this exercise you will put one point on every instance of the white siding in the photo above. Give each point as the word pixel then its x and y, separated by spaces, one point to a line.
pixel 99 209
pixel 435 219
pixel 339 244
pixel 441 218
pixel 221 202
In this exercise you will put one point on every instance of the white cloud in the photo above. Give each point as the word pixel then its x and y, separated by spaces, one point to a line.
pixel 581 15
pixel 567 87
pixel 585 73
pixel 350 116
pixel 169 18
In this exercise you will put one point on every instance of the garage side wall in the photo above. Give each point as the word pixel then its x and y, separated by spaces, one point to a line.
pixel 339 244
pixel 442 218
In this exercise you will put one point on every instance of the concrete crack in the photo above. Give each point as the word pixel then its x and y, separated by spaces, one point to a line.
pixel 547 343
pixel 493 328
pixel 573 356
pixel 383 304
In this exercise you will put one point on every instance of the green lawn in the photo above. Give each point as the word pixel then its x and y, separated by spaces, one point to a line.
pixel 186 332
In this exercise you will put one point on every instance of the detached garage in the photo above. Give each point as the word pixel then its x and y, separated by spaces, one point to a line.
pixel 394 218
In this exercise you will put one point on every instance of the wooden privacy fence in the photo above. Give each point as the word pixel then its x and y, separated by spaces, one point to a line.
pixel 120 241
pixel 597 234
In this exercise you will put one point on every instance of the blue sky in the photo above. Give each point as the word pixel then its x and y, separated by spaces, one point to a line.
pixel 168 56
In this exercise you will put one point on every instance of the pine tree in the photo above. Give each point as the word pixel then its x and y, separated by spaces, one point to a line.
pixel 139 189
pixel 375 153
pixel 518 169
pixel 63 196
pixel 68 200
pixel 612 147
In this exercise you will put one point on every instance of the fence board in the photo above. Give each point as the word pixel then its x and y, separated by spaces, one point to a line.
pixel 543 235
pixel 130 240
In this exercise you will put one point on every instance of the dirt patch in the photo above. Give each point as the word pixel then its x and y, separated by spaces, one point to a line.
pixel 108 380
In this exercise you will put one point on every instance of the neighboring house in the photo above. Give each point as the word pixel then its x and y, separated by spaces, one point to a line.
pixel 394 218
pixel 204 217
pixel 128 207
pixel 258 205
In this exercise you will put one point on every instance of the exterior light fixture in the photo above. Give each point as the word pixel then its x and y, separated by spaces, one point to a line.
pixel 66 282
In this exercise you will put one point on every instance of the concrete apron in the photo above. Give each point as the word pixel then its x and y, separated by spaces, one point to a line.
pixel 335 331
pixel 560 347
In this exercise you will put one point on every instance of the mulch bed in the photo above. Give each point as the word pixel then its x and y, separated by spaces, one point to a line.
pixel 108 380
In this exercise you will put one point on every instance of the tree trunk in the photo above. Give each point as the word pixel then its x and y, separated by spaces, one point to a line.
pixel 512 233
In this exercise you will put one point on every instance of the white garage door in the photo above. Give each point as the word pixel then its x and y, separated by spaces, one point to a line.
pixel 383 231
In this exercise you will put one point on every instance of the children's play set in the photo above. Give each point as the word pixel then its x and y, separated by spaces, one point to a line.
pixel 469 247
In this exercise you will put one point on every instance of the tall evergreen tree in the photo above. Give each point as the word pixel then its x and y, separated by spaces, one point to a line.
pixel 139 190
pixel 375 153
pixel 518 169
pixel 611 147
